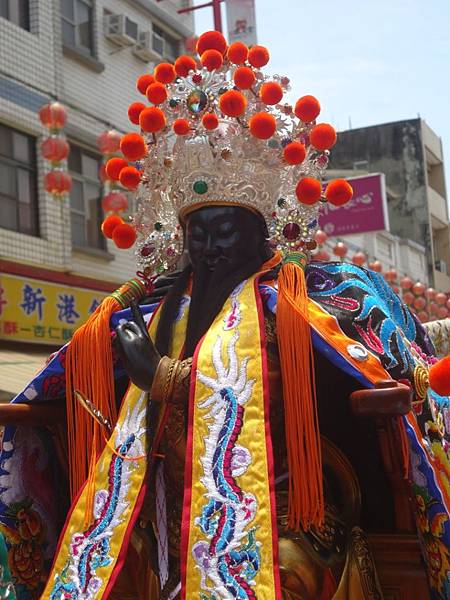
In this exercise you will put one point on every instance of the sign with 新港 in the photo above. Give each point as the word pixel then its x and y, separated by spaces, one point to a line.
pixel 241 21
pixel 366 211
pixel 38 311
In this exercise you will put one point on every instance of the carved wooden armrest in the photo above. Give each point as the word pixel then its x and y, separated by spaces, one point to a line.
pixel 43 413
pixel 387 399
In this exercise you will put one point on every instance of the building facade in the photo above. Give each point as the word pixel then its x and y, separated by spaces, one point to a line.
pixel 87 54
pixel 406 256
pixel 410 155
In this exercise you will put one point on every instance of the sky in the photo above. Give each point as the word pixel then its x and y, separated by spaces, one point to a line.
pixel 367 62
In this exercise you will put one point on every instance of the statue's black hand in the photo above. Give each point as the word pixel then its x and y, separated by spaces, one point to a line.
pixel 163 285
pixel 137 352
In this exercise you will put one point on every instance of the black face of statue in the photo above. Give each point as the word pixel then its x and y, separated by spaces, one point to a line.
pixel 224 235
pixel 226 244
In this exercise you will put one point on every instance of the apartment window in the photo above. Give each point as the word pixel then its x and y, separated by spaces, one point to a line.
pixel 85 199
pixel 171 45
pixel 77 24
pixel 16 11
pixel 18 189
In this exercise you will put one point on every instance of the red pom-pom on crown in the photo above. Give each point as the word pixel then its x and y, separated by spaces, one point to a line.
pixel 439 377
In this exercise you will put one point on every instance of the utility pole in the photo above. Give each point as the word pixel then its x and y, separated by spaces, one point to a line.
pixel 216 11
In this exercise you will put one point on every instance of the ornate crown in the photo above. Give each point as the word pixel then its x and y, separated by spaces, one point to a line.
pixel 218 132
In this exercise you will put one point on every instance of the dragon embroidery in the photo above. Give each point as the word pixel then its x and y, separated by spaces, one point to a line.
pixel 90 549
pixel 229 557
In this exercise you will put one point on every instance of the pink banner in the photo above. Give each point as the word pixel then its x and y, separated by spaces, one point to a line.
pixel 366 211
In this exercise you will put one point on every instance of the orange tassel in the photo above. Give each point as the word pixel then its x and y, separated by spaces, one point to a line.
pixel 89 370
pixel 306 503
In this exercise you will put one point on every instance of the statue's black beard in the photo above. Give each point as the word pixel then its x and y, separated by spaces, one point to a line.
pixel 210 290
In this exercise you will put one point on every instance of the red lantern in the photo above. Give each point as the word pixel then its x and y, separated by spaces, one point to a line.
pixel 391 275
pixel 418 289
pixel 321 237
pixel 433 308
pixel 359 259
pixel 408 298
pixel 430 293
pixel 419 302
pixel 322 255
pixel 53 115
pixel 109 141
pixel 448 303
pixel 190 44
pixel 57 183
pixel 376 266
pixel 395 289
pixel 102 175
pixel 442 312
pixel 340 250
pixel 55 149
pixel 115 202
pixel 441 298
pixel 423 316
pixel 406 283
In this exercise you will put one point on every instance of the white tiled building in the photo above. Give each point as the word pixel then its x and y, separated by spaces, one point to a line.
pixel 87 54
pixel 57 49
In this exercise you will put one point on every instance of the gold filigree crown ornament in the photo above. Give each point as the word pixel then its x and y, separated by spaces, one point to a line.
pixel 217 131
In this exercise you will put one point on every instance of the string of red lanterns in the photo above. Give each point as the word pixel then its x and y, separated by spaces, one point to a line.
pixel 376 266
pixel 340 250
pixel 55 150
pixel 359 259
pixel 426 303
pixel 114 201
pixel 321 237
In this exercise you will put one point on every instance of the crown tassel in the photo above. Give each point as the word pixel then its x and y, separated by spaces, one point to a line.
pixel 306 500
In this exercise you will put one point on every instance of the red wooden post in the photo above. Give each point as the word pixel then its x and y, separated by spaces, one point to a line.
pixel 216 12
pixel 217 15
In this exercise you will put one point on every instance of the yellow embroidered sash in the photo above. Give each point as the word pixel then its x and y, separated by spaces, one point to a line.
pixel 229 536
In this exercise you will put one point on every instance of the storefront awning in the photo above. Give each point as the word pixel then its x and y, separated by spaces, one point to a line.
pixel 17 369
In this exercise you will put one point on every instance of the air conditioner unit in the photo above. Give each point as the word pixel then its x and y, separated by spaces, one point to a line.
pixel 121 30
pixel 440 265
pixel 144 47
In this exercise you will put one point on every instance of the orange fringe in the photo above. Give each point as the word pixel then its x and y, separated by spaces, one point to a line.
pixel 306 502
pixel 89 370
pixel 404 446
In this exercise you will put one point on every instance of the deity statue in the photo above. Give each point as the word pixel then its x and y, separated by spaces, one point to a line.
pixel 254 425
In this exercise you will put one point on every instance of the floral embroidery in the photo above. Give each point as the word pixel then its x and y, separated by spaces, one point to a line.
pixel 29 511
pixel 25 555
pixel 431 527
